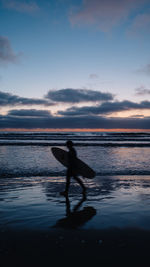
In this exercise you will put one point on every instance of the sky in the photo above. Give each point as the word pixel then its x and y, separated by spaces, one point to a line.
pixel 74 64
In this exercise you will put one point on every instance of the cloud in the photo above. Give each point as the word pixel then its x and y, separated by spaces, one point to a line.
pixel 104 14
pixel 142 91
pixel 137 116
pixel 93 76
pixel 64 96
pixel 29 113
pixel 6 52
pixel 105 108
pixel 7 99
pixel 70 95
pixel 75 117
pixel 73 122
pixel 140 25
pixel 21 6
pixel 144 70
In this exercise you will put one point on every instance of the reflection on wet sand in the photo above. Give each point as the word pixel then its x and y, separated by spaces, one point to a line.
pixel 76 217
pixel 120 201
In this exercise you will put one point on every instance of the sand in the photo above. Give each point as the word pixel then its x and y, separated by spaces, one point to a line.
pixel 82 247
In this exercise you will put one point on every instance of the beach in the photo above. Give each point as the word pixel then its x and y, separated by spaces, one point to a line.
pixel 110 227
pixel 74 133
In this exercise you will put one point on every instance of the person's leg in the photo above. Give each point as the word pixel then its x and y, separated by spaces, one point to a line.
pixel 68 176
pixel 67 182
pixel 80 183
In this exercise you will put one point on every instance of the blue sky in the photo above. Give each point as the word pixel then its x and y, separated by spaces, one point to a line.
pixel 82 45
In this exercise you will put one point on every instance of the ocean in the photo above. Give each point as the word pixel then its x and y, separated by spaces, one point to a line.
pixel 29 153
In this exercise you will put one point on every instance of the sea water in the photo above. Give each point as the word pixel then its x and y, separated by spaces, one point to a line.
pixel 31 179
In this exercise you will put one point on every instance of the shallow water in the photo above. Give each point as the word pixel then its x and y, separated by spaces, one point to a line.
pixel 35 203
pixel 31 179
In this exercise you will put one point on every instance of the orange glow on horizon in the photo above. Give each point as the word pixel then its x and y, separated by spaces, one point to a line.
pixel 73 130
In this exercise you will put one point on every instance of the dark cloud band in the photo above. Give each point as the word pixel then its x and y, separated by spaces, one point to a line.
pixel 105 108
pixel 7 99
pixel 70 95
pixel 29 113
pixel 82 122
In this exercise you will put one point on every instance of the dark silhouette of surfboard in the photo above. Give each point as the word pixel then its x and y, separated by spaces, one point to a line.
pixel 81 167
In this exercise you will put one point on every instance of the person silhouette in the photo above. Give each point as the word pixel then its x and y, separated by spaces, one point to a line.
pixel 71 171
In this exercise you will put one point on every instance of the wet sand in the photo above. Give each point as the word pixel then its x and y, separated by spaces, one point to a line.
pixel 111 227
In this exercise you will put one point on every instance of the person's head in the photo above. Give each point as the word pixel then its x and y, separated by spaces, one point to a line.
pixel 69 144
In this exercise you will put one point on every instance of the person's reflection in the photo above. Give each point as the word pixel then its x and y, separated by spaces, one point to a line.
pixel 77 217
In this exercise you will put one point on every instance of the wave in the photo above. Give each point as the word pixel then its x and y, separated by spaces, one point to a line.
pixel 122 144
pixel 72 134
pixel 57 138
pixel 63 173
pixel 6 174
pixel 80 139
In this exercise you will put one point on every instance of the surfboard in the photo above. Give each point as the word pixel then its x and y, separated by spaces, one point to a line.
pixel 81 167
